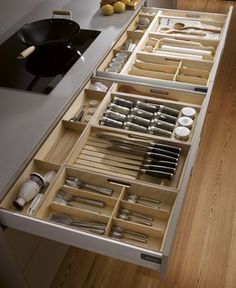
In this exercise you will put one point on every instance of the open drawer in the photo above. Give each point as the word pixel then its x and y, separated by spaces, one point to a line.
pixel 121 204
pixel 185 59
pixel 125 204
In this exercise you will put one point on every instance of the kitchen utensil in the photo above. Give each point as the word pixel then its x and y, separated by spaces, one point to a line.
pixel 38 199
pixel 78 183
pixel 182 26
pixel 126 217
pixel 119 235
pixel 79 115
pixel 68 199
pixel 118 232
pixel 96 227
pixel 160 163
pixel 172 31
pixel 137 214
pixel 48 34
pixel 134 198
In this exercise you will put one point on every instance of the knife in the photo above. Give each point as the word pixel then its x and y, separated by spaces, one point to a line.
pixel 156 173
pixel 158 168
pixel 161 163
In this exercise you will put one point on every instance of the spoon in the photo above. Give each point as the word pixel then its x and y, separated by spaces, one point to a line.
pixel 78 183
pixel 122 230
pixel 170 31
pixel 129 212
pixel 126 217
pixel 133 198
pixel 119 235
pixel 182 26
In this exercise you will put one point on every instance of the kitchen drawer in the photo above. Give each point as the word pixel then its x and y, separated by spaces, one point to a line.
pixel 78 149
pixel 184 61
pixel 129 192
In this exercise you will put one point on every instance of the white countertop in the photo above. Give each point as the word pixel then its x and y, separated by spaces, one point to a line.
pixel 26 118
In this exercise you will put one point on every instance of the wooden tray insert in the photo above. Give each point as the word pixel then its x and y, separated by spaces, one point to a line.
pixel 99 152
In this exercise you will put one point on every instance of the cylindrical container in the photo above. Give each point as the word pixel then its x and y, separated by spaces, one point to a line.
pixel 168 110
pixel 165 117
pixel 134 127
pixel 159 131
pixel 93 103
pixel 138 120
pixel 119 61
pixel 29 190
pixel 185 122
pixel 181 133
pixel 111 123
pixel 116 66
pixel 115 115
pixel 147 107
pixel 111 69
pixel 163 125
pixel 122 102
pixel 122 55
pixel 142 113
pixel 119 109
pixel 188 112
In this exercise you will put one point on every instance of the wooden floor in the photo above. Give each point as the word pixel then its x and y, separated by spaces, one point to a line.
pixel 204 249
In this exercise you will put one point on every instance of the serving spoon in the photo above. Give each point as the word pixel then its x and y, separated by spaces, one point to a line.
pixel 182 26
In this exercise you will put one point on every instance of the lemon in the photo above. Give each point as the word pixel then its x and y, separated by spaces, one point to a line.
pixel 107 9
pixel 127 2
pixel 119 7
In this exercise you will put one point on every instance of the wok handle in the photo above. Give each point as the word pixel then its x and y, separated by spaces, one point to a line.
pixel 62 12
pixel 25 53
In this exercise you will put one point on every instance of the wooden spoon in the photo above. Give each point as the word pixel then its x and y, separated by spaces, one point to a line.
pixel 182 26
pixel 170 31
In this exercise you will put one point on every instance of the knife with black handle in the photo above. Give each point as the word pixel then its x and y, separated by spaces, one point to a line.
pixel 163 152
pixel 161 163
pixel 159 156
pixel 158 168
pixel 166 147
pixel 156 173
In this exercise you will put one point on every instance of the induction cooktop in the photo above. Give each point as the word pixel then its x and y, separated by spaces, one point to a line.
pixel 42 70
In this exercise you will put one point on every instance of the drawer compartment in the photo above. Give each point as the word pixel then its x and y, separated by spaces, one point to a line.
pixel 193 49
pixel 110 152
pixel 131 112
pixel 134 231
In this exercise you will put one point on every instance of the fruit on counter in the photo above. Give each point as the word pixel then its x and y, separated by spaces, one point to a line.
pixel 107 9
pixel 127 2
pixel 119 7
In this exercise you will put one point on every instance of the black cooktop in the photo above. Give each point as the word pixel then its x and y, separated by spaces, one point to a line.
pixel 43 69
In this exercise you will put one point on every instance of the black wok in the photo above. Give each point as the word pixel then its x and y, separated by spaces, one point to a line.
pixel 51 33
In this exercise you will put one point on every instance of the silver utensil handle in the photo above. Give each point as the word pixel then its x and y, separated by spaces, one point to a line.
pixel 96 203
pixel 88 224
pixel 93 230
pixel 139 215
pixel 135 219
pixel 135 238
pixel 101 190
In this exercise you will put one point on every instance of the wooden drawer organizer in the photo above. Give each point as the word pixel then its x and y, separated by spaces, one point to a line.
pixel 99 153
pixel 173 46
pixel 78 147
pixel 159 212
pixel 178 60
pixel 156 99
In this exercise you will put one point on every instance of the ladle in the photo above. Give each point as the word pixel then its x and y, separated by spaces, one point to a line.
pixel 182 26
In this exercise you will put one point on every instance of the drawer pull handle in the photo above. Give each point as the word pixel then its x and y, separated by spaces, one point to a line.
pixel 150 258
